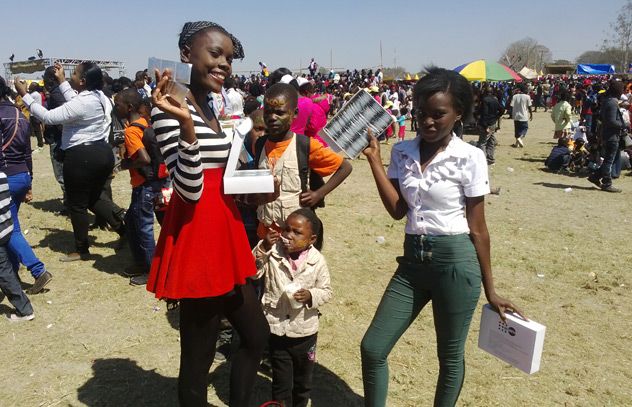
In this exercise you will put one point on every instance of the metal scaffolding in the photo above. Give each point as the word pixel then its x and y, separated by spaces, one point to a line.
pixel 69 64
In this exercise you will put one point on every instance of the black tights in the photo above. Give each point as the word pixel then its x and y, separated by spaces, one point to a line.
pixel 199 326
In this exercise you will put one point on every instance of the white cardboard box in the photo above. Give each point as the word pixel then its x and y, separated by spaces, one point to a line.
pixel 244 181
pixel 516 341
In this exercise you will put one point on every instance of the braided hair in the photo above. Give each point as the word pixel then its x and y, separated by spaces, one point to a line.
pixel 190 29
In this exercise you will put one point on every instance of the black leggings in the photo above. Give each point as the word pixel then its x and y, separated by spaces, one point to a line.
pixel 86 169
pixel 199 326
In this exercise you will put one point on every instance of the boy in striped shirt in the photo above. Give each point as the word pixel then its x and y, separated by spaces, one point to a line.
pixel 9 282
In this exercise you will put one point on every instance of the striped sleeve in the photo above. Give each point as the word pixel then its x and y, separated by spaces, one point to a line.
pixel 183 160
pixel 6 223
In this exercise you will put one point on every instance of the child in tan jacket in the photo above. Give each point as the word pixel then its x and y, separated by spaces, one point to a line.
pixel 297 282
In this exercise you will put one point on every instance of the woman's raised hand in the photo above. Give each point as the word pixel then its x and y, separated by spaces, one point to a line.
pixel 59 73
pixel 162 100
pixel 20 86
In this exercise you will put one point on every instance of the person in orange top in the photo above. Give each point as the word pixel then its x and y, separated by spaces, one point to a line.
pixel 140 215
pixel 280 153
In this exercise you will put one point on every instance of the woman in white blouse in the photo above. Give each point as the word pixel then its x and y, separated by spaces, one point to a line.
pixel 87 157
pixel 438 182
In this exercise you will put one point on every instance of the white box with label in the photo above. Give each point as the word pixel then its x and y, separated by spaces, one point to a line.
pixel 516 341
pixel 244 181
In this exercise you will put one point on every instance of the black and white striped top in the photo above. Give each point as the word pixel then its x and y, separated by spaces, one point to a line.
pixel 6 223
pixel 186 162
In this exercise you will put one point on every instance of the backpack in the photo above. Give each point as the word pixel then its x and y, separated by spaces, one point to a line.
pixel 308 177
pixel 155 172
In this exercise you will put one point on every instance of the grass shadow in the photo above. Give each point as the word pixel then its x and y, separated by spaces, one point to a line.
pixel 54 205
pixel 58 240
pixel 5 309
pixel 113 264
pixel 328 388
pixel 564 186
pixel 63 241
pixel 121 382
pixel 531 160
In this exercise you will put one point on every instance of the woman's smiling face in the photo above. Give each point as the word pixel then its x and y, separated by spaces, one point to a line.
pixel 211 56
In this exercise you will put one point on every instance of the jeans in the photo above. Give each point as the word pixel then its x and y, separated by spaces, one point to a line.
pixel 487 142
pixel 520 128
pixel 293 361
pixel 10 285
pixel 140 225
pixel 611 150
pixel 86 170
pixel 19 250
pixel 441 269
pixel 36 129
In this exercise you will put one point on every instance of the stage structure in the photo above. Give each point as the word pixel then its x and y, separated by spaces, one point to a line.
pixel 39 65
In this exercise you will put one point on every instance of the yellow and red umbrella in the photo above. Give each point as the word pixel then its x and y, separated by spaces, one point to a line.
pixel 484 70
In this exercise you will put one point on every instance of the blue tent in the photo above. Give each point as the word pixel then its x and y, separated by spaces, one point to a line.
pixel 595 69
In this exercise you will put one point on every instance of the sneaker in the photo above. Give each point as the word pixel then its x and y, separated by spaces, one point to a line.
pixel 610 188
pixel 40 283
pixel 74 257
pixel 134 270
pixel 595 180
pixel 139 280
pixel 20 318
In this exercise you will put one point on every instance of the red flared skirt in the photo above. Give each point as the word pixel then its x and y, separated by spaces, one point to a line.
pixel 202 250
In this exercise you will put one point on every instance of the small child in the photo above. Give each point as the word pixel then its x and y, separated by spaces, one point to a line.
pixel 296 283
pixel 139 218
pixel 281 150
pixel 9 282
pixel 401 119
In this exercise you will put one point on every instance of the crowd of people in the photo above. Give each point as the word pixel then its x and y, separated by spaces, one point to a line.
pixel 256 259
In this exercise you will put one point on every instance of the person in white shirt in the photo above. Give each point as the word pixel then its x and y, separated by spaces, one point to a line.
pixel 234 100
pixel 438 182
pixel 87 156
pixel 521 114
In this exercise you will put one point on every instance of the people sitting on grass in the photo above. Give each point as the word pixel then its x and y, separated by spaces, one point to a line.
pixel 560 157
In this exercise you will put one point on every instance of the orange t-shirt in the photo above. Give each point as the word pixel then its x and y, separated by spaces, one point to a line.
pixel 322 160
pixel 133 143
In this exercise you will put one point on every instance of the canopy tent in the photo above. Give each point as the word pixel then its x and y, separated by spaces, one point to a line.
pixel 528 73
pixel 484 70
pixel 595 69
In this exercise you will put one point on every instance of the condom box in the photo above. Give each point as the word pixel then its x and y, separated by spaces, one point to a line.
pixel 238 181
pixel 516 341
pixel 346 132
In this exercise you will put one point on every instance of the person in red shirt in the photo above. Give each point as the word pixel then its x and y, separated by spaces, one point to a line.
pixel 140 215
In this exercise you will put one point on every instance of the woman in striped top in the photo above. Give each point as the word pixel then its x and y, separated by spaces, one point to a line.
pixel 202 257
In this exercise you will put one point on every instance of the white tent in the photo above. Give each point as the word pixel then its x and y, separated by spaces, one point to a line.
pixel 528 73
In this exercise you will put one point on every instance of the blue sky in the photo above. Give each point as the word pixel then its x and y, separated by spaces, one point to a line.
pixel 288 33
